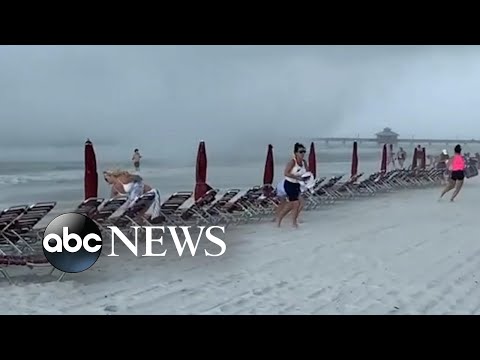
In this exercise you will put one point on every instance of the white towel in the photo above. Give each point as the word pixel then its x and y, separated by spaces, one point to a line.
pixel 154 209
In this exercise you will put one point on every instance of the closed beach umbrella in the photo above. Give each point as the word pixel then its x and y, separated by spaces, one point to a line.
pixel 414 161
pixel 91 175
pixel 201 186
pixel 354 171
pixel 312 160
pixel 424 158
pixel 383 166
pixel 268 172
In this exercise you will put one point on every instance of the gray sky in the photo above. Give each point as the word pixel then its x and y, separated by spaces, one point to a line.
pixel 166 98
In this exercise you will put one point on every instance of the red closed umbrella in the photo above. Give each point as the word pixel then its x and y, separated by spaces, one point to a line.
pixel 424 158
pixel 268 172
pixel 91 175
pixel 354 171
pixel 414 161
pixel 312 160
pixel 201 186
pixel 383 166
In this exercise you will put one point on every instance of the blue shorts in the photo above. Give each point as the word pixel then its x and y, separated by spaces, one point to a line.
pixel 292 190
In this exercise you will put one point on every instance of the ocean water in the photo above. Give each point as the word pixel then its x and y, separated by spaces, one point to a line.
pixel 27 182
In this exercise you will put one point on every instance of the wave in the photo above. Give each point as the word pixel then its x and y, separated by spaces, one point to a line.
pixel 45 177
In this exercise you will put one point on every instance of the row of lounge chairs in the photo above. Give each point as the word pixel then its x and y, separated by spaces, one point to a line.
pixel 20 239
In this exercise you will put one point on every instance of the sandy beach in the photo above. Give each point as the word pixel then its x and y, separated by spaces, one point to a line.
pixel 398 253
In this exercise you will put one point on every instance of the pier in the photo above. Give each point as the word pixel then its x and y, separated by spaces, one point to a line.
pixel 387 136
pixel 345 140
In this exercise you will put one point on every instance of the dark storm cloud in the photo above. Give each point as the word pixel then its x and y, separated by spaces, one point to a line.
pixel 164 99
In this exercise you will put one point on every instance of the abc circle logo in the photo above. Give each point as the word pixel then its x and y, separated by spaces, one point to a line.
pixel 72 243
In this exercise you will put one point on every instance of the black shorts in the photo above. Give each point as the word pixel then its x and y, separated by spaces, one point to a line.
pixel 292 190
pixel 458 175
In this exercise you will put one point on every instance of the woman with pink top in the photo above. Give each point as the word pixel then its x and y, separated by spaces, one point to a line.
pixel 457 168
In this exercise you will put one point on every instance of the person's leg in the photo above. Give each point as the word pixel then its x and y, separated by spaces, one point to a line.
pixel 458 187
pixel 279 209
pixel 285 210
pixel 297 204
pixel 292 196
pixel 449 187
pixel 295 212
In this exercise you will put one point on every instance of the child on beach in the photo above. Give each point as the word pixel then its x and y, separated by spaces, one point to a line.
pixel 136 159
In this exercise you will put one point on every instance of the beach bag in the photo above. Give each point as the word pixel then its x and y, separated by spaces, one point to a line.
pixel 471 171
pixel 280 190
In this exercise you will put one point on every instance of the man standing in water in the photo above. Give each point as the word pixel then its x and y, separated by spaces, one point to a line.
pixel 136 159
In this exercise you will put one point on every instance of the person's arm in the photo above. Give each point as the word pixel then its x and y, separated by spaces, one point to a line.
pixel 116 190
pixel 288 169
pixel 113 192
pixel 147 188
pixel 305 163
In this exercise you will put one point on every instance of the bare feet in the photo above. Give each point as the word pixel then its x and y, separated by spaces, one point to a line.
pixel 295 225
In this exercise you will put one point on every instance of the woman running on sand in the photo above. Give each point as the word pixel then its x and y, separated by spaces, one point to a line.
pixel 293 176
pixel 457 167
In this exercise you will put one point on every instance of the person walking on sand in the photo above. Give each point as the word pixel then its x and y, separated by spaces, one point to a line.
pixel 442 164
pixel 391 156
pixel 136 159
pixel 401 157
pixel 457 166
pixel 294 170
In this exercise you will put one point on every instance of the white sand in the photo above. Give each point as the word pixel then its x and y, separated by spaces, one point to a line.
pixel 403 253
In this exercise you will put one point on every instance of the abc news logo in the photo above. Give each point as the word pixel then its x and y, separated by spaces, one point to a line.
pixel 73 242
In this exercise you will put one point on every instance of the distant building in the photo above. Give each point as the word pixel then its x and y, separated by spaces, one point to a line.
pixel 387 136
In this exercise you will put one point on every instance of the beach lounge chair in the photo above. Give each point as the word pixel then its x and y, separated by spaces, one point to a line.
pixel 104 212
pixel 20 232
pixel 170 210
pixel 32 261
pixel 89 206
pixel 7 216
pixel 245 208
pixel 216 212
pixel 346 189
pixel 197 212
pixel 325 193
pixel 133 215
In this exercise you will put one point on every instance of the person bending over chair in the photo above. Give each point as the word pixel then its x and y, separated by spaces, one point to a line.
pixel 125 184
pixel 294 170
